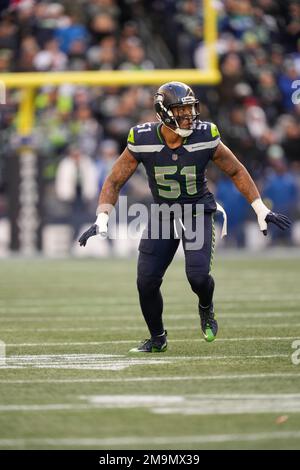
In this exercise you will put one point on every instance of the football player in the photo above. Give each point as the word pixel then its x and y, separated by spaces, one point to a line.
pixel 175 152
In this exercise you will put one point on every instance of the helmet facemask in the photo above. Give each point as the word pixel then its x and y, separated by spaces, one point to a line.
pixel 184 130
pixel 174 121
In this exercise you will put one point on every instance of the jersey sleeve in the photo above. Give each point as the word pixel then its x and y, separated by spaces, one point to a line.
pixel 132 144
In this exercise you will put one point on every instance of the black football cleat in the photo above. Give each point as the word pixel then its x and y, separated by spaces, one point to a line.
pixel 209 324
pixel 156 344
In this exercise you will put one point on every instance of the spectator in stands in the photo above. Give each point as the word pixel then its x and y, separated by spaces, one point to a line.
pixel 86 130
pixel 135 56
pixel 269 95
pixel 291 140
pixel 106 157
pixel 105 55
pixel 237 210
pixel 50 58
pixel 76 185
pixel 69 32
pixel 281 189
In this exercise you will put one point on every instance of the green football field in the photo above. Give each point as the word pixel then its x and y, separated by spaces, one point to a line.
pixel 68 382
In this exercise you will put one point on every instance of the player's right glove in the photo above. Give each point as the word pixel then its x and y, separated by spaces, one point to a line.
pixel 265 217
pixel 99 227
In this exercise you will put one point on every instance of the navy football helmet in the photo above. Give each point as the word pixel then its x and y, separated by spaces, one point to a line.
pixel 175 94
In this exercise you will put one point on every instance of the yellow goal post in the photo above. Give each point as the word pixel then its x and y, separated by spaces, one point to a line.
pixel 30 81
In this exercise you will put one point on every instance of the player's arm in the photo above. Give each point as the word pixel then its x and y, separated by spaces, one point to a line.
pixel 229 164
pixel 124 167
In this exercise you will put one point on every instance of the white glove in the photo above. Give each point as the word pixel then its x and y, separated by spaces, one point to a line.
pixel 101 223
pixel 261 211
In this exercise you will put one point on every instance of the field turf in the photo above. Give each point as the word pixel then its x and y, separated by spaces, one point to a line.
pixel 68 382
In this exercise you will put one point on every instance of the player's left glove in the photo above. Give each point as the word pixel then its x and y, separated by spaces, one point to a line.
pixel 99 227
pixel 265 217
pixel 282 221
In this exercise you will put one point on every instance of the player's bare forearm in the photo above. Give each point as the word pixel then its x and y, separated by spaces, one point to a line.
pixel 229 164
pixel 124 167
pixel 246 185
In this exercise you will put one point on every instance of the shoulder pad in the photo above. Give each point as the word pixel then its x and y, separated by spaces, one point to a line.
pixel 144 138
pixel 142 133
pixel 207 131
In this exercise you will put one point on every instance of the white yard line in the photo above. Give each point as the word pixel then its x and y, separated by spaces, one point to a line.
pixel 40 358
pixel 48 407
pixel 214 404
pixel 79 361
pixel 110 362
pixel 178 378
pixel 195 404
pixel 201 404
pixel 149 440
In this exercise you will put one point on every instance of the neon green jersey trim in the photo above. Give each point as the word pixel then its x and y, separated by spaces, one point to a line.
pixel 214 130
pixel 131 136
pixel 159 134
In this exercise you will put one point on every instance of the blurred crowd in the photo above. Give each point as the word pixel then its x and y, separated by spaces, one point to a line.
pixel 79 131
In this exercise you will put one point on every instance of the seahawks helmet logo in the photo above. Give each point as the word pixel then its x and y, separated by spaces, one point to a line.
pixel 188 100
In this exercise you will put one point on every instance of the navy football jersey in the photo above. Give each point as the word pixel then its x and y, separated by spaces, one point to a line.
pixel 176 175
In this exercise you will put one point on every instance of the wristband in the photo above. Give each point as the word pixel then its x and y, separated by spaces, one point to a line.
pixel 101 222
pixel 260 208
pixel 261 211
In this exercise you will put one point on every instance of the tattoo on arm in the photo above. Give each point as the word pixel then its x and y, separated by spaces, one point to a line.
pixel 229 164
pixel 124 167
